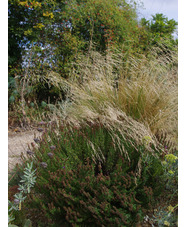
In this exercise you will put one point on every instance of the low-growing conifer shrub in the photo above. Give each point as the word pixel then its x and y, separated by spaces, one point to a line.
pixel 83 179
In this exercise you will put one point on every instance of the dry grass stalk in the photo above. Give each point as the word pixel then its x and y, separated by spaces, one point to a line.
pixel 137 97
pixel 138 104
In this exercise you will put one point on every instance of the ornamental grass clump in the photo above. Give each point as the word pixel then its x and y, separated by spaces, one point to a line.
pixel 140 90
pixel 89 182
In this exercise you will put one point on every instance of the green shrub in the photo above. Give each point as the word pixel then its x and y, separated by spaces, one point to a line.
pixel 171 176
pixel 27 181
pixel 84 180
pixel 166 216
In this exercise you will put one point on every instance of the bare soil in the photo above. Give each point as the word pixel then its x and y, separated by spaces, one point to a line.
pixel 18 143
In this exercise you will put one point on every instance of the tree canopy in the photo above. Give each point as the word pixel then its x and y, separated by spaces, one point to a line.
pixel 160 30
pixel 48 35
pixel 59 30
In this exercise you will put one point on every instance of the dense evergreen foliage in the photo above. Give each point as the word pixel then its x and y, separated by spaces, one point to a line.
pixel 82 178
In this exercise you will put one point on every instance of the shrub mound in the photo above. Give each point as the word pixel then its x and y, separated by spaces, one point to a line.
pixel 84 180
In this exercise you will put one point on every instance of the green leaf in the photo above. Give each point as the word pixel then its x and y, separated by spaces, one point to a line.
pixel 27 223
pixel 43 104
pixel 12 99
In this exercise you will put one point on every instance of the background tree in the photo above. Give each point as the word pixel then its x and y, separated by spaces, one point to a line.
pixel 160 31
pixel 60 29
pixel 57 31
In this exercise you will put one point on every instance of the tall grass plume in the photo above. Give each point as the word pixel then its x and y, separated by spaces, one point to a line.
pixel 138 97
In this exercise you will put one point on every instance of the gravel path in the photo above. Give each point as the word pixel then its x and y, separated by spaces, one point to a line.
pixel 18 143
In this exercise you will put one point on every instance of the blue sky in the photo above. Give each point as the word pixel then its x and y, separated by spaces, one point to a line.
pixel 168 7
